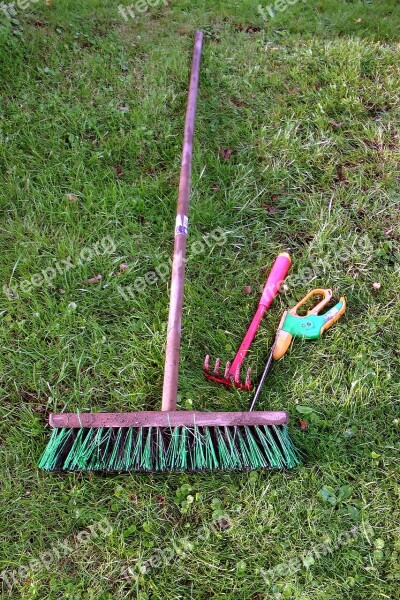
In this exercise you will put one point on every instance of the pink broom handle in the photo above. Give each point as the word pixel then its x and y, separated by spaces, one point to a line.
pixel 171 368
pixel 277 275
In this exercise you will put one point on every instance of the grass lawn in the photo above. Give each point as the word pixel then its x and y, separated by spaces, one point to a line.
pixel 297 148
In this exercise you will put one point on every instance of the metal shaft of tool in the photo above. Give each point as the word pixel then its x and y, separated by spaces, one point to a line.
pixel 262 380
pixel 171 369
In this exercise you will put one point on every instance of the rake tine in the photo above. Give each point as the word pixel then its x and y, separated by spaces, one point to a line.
pixel 237 375
pixel 248 378
pixel 227 367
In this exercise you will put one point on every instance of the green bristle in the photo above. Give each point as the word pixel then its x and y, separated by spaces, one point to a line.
pixel 146 459
pixel 81 456
pixel 95 445
pixel 114 458
pixel 198 461
pixel 244 452
pixel 235 455
pixel 71 460
pixel 58 441
pixel 211 459
pixel 106 446
pixel 224 453
pixel 137 451
pixel 123 460
pixel 160 454
pixel 269 446
pixel 257 458
pixel 289 450
pixel 183 449
pixel 170 449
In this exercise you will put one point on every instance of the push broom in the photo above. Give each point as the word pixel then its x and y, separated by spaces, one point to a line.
pixel 171 440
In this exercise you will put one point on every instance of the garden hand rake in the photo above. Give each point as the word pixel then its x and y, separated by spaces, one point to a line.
pixel 232 370
pixel 171 440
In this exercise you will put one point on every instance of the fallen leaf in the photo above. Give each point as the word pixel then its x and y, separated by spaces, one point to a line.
pixel 95 279
pixel 376 285
pixel 269 208
pixel 358 20
pixel 222 524
pixel 247 289
pixel 38 23
pixel 161 500
pixel 72 198
pixel 118 170
pixel 48 2
pixel 225 153
pixel 253 29
pixel 133 498
pixel 303 424
pixel 215 187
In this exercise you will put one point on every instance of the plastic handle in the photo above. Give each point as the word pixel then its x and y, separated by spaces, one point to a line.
pixel 311 326
pixel 326 298
pixel 278 273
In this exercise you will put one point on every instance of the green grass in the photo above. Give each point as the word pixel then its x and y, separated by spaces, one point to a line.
pixel 309 104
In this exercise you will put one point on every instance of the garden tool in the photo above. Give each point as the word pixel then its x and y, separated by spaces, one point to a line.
pixel 309 327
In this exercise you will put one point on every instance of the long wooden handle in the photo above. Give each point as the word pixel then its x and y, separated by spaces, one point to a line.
pixel 171 369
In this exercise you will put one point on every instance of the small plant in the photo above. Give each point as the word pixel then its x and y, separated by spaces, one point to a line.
pixel 185 499
pixel 342 500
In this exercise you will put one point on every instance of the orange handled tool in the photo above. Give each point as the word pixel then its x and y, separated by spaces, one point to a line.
pixel 310 326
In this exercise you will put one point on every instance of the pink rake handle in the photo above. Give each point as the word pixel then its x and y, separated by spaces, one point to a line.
pixel 277 275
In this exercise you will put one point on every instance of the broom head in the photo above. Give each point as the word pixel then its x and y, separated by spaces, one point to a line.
pixel 155 441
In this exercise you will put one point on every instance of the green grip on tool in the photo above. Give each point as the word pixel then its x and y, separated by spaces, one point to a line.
pixel 310 327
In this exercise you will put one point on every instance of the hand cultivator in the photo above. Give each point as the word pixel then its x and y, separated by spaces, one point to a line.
pixel 232 370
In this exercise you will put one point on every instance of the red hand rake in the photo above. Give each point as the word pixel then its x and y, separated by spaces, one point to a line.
pixel 232 370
